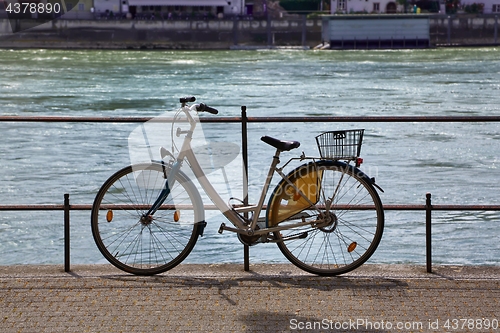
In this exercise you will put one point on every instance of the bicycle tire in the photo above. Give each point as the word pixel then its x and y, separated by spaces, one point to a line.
pixel 352 234
pixel 145 246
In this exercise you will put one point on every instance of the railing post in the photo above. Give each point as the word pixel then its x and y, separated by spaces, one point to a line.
pixel 428 235
pixel 244 149
pixel 449 30
pixel 496 29
pixel 66 234
pixel 304 30
pixel 235 30
pixel 268 27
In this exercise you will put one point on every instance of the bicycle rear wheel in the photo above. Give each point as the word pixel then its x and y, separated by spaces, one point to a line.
pixel 339 239
pixel 129 238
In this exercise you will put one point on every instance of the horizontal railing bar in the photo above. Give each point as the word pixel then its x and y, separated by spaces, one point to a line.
pixel 445 207
pixel 376 119
pixel 255 119
pixel 471 208
pixel 31 207
pixel 70 119
pixel 213 207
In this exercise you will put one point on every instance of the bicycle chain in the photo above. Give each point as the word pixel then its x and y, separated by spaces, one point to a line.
pixel 297 234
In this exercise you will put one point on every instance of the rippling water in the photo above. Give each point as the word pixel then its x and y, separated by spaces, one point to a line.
pixel 457 162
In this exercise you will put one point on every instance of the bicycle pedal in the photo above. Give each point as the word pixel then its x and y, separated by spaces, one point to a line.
pixel 221 228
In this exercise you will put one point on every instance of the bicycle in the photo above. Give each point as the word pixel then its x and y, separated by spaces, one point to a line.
pixel 325 215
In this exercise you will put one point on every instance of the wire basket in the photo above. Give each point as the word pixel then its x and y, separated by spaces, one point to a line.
pixel 340 145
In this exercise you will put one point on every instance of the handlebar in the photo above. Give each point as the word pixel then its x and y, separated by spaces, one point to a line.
pixel 194 107
pixel 189 99
pixel 203 107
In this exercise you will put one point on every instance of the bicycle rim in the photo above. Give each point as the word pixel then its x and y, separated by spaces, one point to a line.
pixel 134 242
pixel 343 238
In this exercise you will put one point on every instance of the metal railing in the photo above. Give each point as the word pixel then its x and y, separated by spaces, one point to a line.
pixel 244 120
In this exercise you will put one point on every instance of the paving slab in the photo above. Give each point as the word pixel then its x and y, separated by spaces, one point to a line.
pixel 268 298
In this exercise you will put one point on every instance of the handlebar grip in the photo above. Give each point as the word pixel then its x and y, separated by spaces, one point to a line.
pixel 189 99
pixel 206 108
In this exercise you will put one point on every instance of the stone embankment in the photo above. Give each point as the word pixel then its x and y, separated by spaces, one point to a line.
pixel 461 30
pixel 212 34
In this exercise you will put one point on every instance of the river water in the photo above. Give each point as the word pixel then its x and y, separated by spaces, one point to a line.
pixel 457 162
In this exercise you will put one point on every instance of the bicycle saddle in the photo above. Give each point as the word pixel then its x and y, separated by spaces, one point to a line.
pixel 280 144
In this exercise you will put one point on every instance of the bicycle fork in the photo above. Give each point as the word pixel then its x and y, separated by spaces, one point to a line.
pixel 170 179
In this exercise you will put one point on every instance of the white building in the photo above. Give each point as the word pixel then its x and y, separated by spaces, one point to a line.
pixel 489 6
pixel 392 6
pixel 171 8
pixel 365 6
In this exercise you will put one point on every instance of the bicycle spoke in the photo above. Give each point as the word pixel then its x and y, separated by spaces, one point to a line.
pixel 344 236
pixel 134 241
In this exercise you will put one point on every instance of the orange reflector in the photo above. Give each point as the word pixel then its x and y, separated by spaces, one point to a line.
pixel 177 215
pixel 352 247
pixel 296 197
pixel 109 215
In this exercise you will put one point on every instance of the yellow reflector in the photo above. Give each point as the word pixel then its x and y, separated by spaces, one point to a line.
pixel 352 247
pixel 177 215
pixel 109 215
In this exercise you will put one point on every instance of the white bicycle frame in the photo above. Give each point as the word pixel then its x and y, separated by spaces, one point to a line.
pixel 186 153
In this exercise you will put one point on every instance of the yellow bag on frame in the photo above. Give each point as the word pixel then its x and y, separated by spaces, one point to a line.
pixel 286 201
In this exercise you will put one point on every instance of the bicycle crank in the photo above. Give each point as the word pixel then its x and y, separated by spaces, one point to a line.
pixel 251 239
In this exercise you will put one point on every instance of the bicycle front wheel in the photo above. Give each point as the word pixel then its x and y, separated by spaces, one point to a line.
pixel 346 222
pixel 134 241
